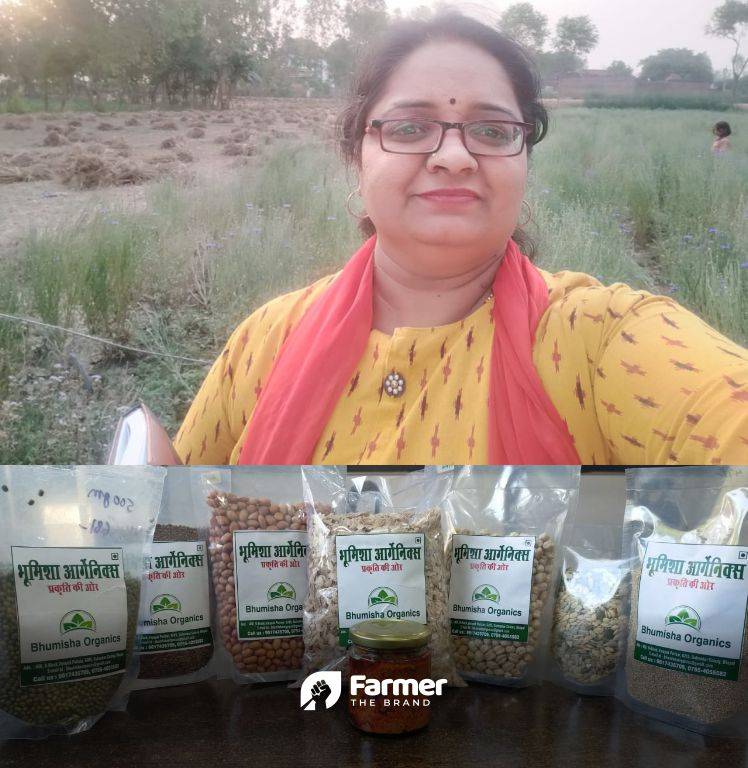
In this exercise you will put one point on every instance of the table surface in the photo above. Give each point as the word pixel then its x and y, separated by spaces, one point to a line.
pixel 218 724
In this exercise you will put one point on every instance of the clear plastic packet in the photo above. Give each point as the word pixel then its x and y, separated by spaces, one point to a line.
pixel 174 642
pixel 71 561
pixel 504 524
pixel 360 526
pixel 258 552
pixel 590 616
pixel 686 660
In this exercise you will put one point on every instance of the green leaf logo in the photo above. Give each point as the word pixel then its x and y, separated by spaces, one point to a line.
pixel 77 620
pixel 486 592
pixel 162 603
pixel 281 589
pixel 382 596
pixel 685 615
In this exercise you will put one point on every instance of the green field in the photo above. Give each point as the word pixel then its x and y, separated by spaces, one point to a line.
pixel 625 195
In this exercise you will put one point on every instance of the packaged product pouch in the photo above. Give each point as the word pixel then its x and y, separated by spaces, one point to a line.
pixel 258 551
pixel 376 550
pixel 504 526
pixel 71 560
pixel 590 617
pixel 687 652
pixel 174 642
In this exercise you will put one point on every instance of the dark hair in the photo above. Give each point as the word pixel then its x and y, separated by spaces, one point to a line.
pixel 722 128
pixel 401 40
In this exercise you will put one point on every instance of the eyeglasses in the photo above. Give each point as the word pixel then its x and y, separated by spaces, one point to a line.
pixel 413 136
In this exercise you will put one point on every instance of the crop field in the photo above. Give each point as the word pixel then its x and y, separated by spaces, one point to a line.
pixel 161 231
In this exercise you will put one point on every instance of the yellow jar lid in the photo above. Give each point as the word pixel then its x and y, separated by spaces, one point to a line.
pixel 390 634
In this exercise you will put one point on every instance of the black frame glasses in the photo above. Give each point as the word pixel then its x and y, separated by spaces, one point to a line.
pixel 445 126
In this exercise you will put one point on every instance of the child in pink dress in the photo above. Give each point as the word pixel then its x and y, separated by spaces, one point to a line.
pixel 721 143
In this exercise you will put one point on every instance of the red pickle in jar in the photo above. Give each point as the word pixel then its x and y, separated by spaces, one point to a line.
pixel 393 649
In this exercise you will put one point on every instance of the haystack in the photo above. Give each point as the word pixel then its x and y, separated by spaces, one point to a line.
pixel 86 170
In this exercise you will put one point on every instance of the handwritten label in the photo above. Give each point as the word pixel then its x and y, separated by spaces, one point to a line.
pixel 114 500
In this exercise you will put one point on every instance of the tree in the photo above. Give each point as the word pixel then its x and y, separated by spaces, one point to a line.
pixel 576 35
pixel 365 21
pixel 295 67
pixel 340 62
pixel 524 24
pixel 730 20
pixel 238 32
pixel 556 64
pixel 693 67
pixel 323 20
pixel 620 68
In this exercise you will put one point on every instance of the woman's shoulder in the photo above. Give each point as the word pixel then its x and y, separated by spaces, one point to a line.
pixel 284 310
pixel 594 311
pixel 597 315
pixel 560 284
pixel 569 290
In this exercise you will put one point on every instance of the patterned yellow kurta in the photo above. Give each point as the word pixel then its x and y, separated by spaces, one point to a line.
pixel 637 378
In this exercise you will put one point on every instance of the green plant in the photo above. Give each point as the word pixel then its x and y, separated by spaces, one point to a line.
pixel 486 592
pixel 108 264
pixel 16 105
pixel 77 620
pixel 47 276
pixel 713 102
pixel 166 603
pixel 383 596
pixel 684 615
pixel 282 590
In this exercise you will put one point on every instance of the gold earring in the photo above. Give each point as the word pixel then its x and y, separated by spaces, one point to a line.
pixel 359 216
pixel 528 208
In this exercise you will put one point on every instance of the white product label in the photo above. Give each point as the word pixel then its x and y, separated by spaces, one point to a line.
pixel 380 576
pixel 692 608
pixel 72 612
pixel 490 586
pixel 174 599
pixel 271 581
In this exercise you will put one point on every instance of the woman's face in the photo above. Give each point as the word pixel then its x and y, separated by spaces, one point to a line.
pixel 452 81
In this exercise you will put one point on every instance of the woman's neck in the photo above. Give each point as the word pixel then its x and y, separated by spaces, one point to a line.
pixel 407 299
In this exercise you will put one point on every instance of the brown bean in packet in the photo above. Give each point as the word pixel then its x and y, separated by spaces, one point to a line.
pixel 175 642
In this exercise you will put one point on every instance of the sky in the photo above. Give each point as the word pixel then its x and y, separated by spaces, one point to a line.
pixel 629 30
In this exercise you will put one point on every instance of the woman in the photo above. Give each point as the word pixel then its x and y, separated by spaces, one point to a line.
pixel 439 341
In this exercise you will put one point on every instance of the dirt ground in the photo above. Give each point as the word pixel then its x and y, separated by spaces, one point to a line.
pixel 53 166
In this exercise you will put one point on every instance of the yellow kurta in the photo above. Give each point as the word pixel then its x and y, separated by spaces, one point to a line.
pixel 637 378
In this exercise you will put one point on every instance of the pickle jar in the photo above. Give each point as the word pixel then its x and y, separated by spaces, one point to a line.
pixel 389 650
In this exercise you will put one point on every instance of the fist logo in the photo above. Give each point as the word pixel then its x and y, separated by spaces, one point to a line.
pixel 321 690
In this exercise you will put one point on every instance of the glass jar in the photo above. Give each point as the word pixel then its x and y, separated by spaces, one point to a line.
pixel 390 649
